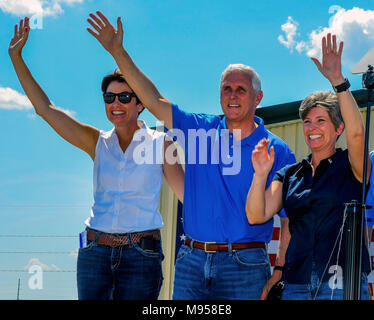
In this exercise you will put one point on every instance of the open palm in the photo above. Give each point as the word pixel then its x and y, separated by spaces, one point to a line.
pixel 330 66
pixel 20 36
pixel 109 37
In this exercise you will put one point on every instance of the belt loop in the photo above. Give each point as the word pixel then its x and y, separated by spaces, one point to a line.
pixel 131 242
pixel 97 237
pixel 191 244
pixel 230 248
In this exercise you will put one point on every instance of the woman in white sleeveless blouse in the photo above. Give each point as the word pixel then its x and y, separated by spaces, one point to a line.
pixel 121 258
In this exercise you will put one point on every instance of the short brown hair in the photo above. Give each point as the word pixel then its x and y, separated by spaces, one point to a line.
pixel 326 100
pixel 116 75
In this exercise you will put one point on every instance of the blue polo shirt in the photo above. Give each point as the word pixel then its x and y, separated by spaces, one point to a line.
pixel 315 208
pixel 215 190
pixel 370 195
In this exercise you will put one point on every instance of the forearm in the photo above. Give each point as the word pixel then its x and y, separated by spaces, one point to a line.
pixel 34 92
pixel 137 80
pixel 143 87
pixel 284 240
pixel 255 204
pixel 355 133
pixel 351 115
pixel 76 133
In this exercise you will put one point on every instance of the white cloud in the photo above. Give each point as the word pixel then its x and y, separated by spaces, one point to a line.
pixel 30 7
pixel 289 28
pixel 11 99
pixel 45 267
pixel 354 26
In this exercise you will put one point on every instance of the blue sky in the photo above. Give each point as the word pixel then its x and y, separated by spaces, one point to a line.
pixel 183 46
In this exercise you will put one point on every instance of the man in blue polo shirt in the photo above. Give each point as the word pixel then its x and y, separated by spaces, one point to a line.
pixel 223 257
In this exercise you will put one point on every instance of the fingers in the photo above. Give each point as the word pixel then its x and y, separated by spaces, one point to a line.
pixel 119 26
pixel 21 26
pixel 97 20
pixel 262 146
pixel 329 45
pixel 23 29
pixel 324 46
pixel 27 24
pixel 272 153
pixel 92 32
pixel 334 47
pixel 94 25
pixel 340 48
pixel 104 18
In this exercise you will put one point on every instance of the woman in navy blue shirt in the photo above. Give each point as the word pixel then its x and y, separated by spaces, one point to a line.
pixel 314 190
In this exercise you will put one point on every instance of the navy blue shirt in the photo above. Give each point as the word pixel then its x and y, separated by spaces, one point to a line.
pixel 215 190
pixel 315 208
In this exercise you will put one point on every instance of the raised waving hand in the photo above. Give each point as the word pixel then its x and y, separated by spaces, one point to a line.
pixel 108 36
pixel 262 159
pixel 20 36
pixel 78 134
pixel 111 39
pixel 331 66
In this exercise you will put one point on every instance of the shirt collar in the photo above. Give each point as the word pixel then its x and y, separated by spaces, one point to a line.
pixel 254 137
pixel 331 159
pixel 139 132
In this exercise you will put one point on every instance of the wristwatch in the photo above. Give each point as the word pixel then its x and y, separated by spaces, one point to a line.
pixel 280 268
pixel 342 87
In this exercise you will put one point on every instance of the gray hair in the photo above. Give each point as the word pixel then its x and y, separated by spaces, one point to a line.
pixel 252 74
pixel 326 100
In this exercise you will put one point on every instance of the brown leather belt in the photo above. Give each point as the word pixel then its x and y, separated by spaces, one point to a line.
pixel 116 240
pixel 214 247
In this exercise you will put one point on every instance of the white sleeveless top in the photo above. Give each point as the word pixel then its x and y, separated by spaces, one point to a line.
pixel 127 185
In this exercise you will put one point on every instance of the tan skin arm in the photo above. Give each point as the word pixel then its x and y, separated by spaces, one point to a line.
pixel 111 39
pixel 330 67
pixel 80 135
pixel 262 205
pixel 173 172
pixel 284 240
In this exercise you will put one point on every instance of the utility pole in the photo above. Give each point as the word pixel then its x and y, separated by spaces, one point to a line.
pixel 19 282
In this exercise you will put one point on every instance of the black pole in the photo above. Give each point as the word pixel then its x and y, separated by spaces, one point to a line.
pixel 355 216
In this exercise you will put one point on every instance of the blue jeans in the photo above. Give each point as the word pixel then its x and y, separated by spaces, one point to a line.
pixel 200 275
pixel 315 291
pixel 119 273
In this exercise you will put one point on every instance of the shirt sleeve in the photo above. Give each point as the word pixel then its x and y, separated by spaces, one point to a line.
pixel 186 120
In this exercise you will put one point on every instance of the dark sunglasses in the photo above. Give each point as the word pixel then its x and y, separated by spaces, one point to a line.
pixel 123 97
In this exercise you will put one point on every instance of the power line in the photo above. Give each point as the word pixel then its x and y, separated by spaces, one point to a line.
pixel 44 206
pixel 35 236
pixel 40 252
pixel 26 271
